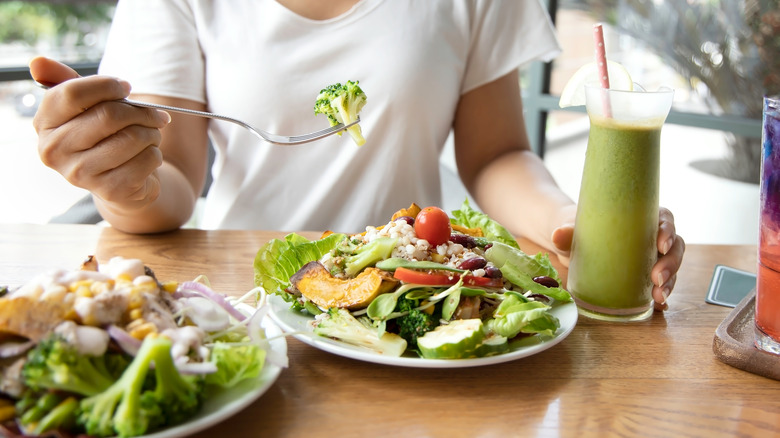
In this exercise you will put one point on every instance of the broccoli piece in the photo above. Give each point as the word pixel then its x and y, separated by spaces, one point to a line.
pixel 415 322
pixel 56 364
pixel 63 416
pixel 134 405
pixel 341 104
pixel 341 325
pixel 33 406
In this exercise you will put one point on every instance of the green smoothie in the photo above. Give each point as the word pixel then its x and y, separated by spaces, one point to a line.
pixel 616 227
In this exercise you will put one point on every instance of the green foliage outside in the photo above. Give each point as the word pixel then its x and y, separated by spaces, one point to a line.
pixel 29 22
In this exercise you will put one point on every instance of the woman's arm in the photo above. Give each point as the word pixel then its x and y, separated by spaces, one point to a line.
pixel 508 181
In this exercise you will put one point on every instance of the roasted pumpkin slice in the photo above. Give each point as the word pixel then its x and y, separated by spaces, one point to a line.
pixel 314 282
pixel 410 212
pixel 475 232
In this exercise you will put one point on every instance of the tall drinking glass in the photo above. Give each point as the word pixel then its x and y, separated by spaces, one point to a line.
pixel 768 279
pixel 616 227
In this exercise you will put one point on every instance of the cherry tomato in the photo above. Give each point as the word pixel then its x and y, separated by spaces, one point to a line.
pixel 443 278
pixel 433 225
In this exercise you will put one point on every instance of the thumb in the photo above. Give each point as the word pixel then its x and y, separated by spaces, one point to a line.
pixel 561 239
pixel 49 72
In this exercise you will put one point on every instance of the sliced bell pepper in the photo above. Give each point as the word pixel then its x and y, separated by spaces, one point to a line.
pixel 444 278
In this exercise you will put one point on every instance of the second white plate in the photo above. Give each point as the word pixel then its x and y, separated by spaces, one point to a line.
pixel 222 404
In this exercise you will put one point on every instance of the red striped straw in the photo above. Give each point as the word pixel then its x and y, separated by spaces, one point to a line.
pixel 601 63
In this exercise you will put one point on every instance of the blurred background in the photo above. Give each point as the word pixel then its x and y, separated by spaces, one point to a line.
pixel 719 56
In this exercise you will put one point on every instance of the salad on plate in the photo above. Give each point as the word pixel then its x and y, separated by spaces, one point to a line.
pixel 110 350
pixel 426 285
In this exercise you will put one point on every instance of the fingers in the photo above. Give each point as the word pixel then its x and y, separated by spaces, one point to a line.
pixel 74 97
pixel 664 273
pixel 85 168
pixel 666 230
pixel 96 124
pixel 562 238
pixel 134 182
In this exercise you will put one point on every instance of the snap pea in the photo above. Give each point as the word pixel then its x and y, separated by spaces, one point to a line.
pixel 394 263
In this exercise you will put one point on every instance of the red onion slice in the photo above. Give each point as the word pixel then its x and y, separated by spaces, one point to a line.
pixel 127 343
pixel 196 367
pixel 11 349
pixel 208 293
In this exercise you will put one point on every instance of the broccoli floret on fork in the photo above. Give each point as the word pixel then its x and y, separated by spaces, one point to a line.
pixel 341 104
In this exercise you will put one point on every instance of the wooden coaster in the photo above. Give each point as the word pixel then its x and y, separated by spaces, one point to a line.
pixel 734 342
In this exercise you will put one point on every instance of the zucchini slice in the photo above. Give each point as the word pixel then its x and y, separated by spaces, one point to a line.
pixel 493 344
pixel 456 340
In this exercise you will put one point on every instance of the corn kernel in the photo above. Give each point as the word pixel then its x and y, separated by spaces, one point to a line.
pixel 438 258
pixel 149 287
pixel 90 320
pixel 123 278
pixel 76 285
pixel 135 323
pixel 7 413
pixel 170 286
pixel 143 330
pixel 135 299
pixel 84 291
pixel 136 314
pixel 100 287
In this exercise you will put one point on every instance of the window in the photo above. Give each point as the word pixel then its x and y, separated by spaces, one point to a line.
pixel 73 32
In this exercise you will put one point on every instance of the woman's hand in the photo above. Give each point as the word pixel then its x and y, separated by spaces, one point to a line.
pixel 671 248
pixel 94 141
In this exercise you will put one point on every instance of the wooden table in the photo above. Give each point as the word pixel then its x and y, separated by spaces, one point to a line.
pixel 653 378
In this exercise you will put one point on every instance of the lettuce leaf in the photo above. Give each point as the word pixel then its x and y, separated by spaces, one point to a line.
pixel 470 218
pixel 516 315
pixel 235 363
pixel 279 259
pixel 520 269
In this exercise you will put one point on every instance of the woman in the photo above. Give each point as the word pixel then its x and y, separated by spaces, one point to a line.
pixel 428 68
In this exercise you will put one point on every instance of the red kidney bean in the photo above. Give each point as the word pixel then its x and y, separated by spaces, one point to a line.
pixel 472 263
pixel 408 219
pixel 539 297
pixel 546 281
pixel 493 272
pixel 463 239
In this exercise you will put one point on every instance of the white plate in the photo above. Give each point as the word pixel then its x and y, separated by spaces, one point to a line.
pixel 224 403
pixel 297 323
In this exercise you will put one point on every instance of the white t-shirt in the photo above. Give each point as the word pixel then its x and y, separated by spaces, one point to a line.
pixel 259 62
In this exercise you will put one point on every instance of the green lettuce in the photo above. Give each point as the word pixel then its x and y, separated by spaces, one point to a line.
pixel 235 363
pixel 279 259
pixel 520 269
pixel 517 315
pixel 470 218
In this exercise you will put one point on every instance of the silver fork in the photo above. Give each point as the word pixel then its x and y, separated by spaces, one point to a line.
pixel 264 135
pixel 284 140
